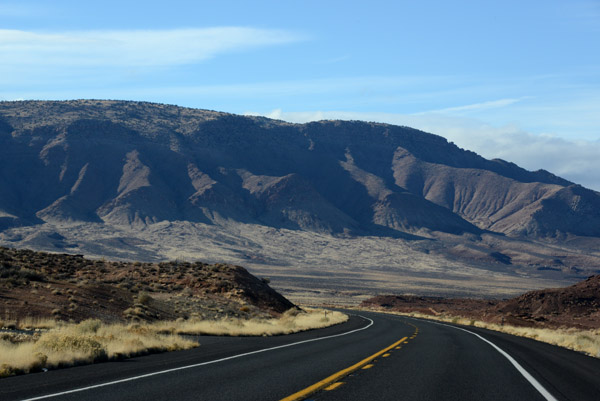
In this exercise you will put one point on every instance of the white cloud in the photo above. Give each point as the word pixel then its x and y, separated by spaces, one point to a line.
pixel 328 86
pixel 575 160
pixel 493 104
pixel 133 48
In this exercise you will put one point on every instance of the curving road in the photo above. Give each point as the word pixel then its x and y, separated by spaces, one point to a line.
pixel 373 356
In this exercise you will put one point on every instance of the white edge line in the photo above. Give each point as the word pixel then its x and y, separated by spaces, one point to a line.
pixel 198 364
pixel 537 385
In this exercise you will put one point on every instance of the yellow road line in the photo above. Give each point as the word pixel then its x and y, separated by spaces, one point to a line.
pixel 337 376
pixel 333 386
pixel 369 366
pixel 385 355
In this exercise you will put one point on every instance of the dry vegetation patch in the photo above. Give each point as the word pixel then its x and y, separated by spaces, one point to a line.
pixel 586 341
pixel 87 342
pixel 292 321
pixel 92 341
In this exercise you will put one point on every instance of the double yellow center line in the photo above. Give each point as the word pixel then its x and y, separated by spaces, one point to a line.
pixel 337 376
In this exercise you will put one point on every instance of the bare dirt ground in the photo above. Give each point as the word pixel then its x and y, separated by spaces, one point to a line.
pixel 316 268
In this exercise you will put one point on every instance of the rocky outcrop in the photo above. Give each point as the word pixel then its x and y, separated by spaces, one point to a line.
pixel 71 287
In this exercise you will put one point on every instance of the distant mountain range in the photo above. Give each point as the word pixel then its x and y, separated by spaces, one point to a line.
pixel 133 164
pixel 140 163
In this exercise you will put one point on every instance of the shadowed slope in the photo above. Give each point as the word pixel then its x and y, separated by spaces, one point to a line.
pixel 134 163
pixel 134 180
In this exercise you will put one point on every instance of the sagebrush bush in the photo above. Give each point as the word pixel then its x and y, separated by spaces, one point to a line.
pixel 89 326
pixel 59 343
pixel 144 298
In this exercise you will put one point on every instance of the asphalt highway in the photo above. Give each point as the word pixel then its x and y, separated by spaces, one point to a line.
pixel 371 357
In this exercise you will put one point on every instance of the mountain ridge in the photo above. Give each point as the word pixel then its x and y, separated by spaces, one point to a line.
pixel 211 143
pixel 73 172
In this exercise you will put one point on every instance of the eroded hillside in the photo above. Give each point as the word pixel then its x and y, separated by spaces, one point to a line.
pixel 141 181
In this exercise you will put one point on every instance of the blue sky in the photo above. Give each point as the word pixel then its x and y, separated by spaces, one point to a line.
pixel 519 80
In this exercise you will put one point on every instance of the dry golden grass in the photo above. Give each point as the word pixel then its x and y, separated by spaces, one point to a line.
pixel 86 342
pixel 30 323
pixel 8 324
pixel 586 341
pixel 292 321
pixel 91 340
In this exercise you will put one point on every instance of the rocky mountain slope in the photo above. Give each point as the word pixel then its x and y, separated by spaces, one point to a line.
pixel 138 163
pixel 129 179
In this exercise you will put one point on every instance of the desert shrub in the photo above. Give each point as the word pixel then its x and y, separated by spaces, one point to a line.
pixel 292 312
pixel 89 326
pixel 29 323
pixel 18 276
pixel 31 275
pixel 11 325
pixel 144 298
pixel 64 344
pixel 40 361
pixel 7 370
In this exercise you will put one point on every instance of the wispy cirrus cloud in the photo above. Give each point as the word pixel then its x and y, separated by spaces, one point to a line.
pixel 131 48
pixel 492 104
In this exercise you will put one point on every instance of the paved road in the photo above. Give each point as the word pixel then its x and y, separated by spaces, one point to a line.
pixel 382 357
